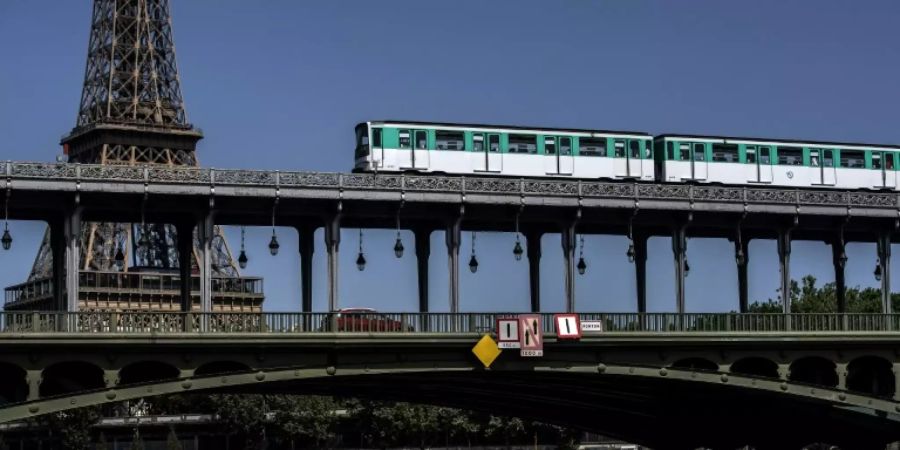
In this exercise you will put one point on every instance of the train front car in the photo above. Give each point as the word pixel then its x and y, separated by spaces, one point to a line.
pixel 401 146
pixel 740 161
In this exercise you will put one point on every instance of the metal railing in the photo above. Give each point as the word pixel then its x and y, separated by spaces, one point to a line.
pixel 445 323
pixel 150 283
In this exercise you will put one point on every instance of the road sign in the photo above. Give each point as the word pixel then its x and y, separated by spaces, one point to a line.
pixel 486 350
pixel 568 326
pixel 592 326
pixel 530 336
pixel 508 333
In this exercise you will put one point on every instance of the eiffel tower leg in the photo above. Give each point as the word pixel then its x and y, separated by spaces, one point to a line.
pixel 58 250
pixel 205 231
pixel 73 257
pixel 185 236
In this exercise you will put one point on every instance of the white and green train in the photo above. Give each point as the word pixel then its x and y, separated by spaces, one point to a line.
pixel 400 146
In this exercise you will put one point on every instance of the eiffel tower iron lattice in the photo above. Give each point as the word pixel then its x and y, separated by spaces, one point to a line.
pixel 132 113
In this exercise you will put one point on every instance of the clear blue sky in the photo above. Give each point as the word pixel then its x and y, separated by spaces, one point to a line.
pixel 280 84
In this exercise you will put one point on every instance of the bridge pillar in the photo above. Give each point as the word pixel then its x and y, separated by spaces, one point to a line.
pixel 111 378
pixel 423 252
pixel 306 247
pixel 679 248
pixel 784 371
pixel 533 242
pixel 742 257
pixel 839 259
pixel 568 247
pixel 58 250
pixel 185 236
pixel 34 378
pixel 205 232
pixel 332 246
pixel 73 257
pixel 640 270
pixel 784 256
pixel 884 262
pixel 453 237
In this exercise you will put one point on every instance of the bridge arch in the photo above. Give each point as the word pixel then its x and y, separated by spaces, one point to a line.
pixel 70 376
pixel 814 370
pixel 144 371
pixel 755 366
pixel 13 385
pixel 871 375
pixel 696 364
pixel 220 367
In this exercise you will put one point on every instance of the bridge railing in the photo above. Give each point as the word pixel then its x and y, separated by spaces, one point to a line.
pixel 446 323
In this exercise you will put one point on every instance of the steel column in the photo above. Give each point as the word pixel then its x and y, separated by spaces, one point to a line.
pixel 640 270
pixel 884 261
pixel 332 246
pixel 679 247
pixel 58 251
pixel 423 252
pixel 306 236
pixel 185 236
pixel 742 264
pixel 568 248
pixel 73 257
pixel 453 238
pixel 533 242
pixel 205 232
pixel 784 256
pixel 839 260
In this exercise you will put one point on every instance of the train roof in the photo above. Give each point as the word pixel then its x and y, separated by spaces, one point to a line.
pixel 507 127
pixel 794 142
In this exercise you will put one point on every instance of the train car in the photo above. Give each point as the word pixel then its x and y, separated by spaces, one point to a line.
pixel 740 161
pixel 400 146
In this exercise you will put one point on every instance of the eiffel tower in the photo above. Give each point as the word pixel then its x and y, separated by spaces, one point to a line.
pixel 132 113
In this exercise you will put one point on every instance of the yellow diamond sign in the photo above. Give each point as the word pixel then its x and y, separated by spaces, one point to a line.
pixel 486 350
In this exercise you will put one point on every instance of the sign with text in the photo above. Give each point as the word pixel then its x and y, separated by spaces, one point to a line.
pixel 531 338
pixel 592 326
pixel 508 333
pixel 567 326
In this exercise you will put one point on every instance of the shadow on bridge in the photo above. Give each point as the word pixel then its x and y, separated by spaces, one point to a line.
pixel 680 406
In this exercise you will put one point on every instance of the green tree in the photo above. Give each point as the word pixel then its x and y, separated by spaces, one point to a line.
pixel 806 297
pixel 308 419
pixel 73 426
pixel 242 415
pixel 137 441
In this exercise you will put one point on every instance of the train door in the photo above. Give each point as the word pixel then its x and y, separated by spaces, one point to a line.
pixel 633 162
pixel 404 153
pixel 760 157
pixel 620 158
pixel 699 165
pixel 884 162
pixel 558 159
pixel 822 161
pixel 420 152
pixel 486 154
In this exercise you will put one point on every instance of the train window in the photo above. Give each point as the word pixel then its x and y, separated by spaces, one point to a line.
pixel 725 153
pixel 550 146
pixel 648 149
pixel 522 143
pixel 699 152
pixel 404 139
pixel 853 159
pixel 670 151
pixel 684 152
pixel 449 140
pixel 764 155
pixel 889 161
pixel 876 161
pixel 751 155
pixel 493 143
pixel 790 156
pixel 813 158
pixel 421 140
pixel 478 142
pixel 592 147
pixel 634 149
pixel 828 158
pixel 619 148
pixel 376 137
pixel 565 146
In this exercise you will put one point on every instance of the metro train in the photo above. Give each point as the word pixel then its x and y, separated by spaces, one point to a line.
pixel 403 146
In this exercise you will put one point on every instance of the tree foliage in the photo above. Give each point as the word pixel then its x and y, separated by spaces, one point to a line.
pixel 806 297
pixel 73 427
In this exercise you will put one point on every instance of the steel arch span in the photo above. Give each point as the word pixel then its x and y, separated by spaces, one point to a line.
pixel 662 407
